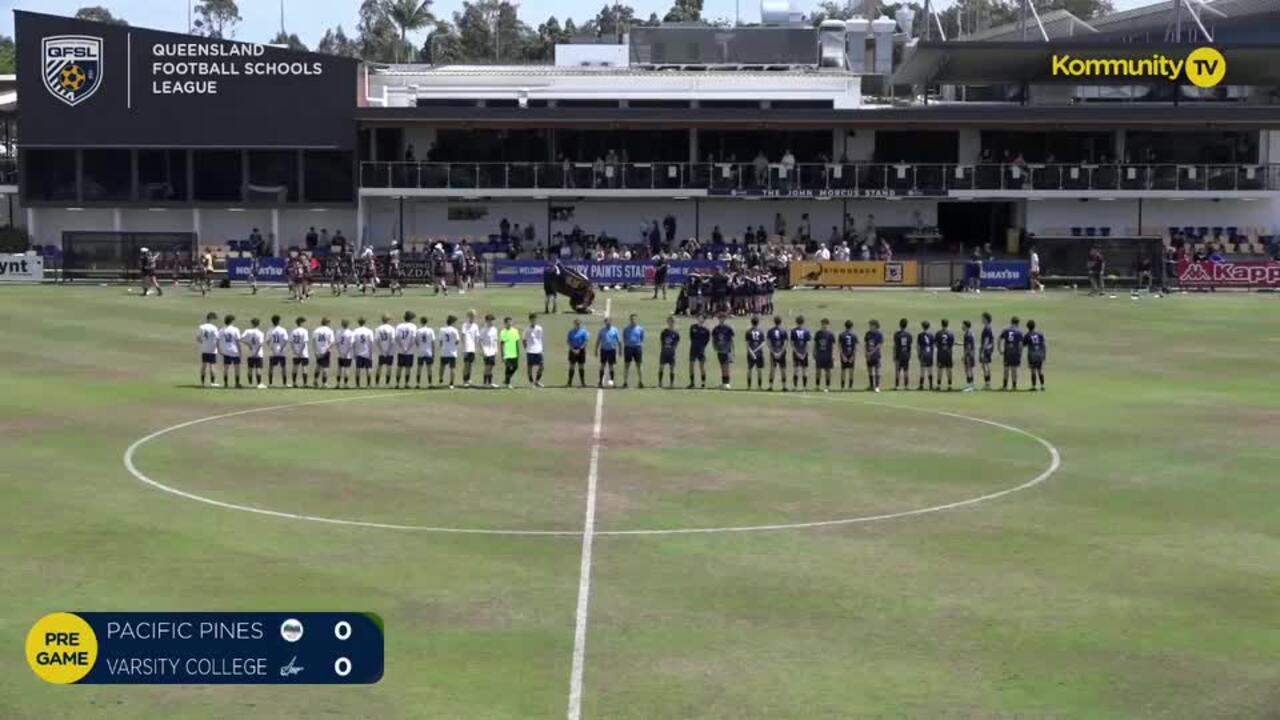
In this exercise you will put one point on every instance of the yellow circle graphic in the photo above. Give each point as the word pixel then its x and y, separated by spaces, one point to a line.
pixel 61 648
pixel 1205 67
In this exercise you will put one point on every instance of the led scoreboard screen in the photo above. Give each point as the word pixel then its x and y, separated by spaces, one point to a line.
pixel 215 648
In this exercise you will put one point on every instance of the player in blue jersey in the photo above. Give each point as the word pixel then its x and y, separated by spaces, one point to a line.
pixel 607 341
pixel 633 351
pixel 824 350
pixel 777 338
pixel 699 337
pixel 970 356
pixel 873 341
pixel 800 337
pixel 755 354
pixel 902 342
pixel 848 343
pixel 1037 351
pixel 722 338
pixel 669 339
pixel 924 351
pixel 986 348
pixel 1011 348
pixel 578 340
pixel 944 342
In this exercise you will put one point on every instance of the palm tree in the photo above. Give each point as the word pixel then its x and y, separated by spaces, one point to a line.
pixel 408 15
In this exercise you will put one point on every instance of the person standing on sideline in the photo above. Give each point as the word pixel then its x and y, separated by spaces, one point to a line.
pixel 1036 285
pixel 550 281
pixel 633 351
pixel 510 339
pixel 207 337
pixel 607 342
pixel 578 338
pixel 533 350
pixel 661 266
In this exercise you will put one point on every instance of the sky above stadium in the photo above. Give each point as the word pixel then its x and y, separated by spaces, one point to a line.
pixel 310 18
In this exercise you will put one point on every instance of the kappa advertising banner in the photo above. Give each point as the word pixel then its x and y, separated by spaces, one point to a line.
pixel 855 273
pixel 85 83
pixel 21 268
pixel 606 272
pixel 1006 274
pixel 1243 273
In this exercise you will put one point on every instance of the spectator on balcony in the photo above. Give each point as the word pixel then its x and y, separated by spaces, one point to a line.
pixel 805 232
pixel 410 155
pixel 760 167
pixel 611 168
pixel 669 227
pixel 597 172
pixel 789 169
pixel 566 171
pixel 869 230
pixel 312 240
pixel 984 157
pixel 338 238
pixel 779 225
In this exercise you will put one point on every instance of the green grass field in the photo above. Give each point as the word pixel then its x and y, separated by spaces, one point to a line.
pixel 1141 580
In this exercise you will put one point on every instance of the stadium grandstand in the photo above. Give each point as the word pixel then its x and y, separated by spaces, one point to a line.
pixel 860 130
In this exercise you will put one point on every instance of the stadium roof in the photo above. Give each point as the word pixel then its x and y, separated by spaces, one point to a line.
pixel 1057 24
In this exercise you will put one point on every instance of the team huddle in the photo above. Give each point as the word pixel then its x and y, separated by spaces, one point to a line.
pixel 400 356
pixel 800 348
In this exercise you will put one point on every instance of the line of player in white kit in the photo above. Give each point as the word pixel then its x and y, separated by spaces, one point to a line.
pixel 403 351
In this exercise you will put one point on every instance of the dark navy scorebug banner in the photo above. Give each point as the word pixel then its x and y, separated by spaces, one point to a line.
pixel 604 272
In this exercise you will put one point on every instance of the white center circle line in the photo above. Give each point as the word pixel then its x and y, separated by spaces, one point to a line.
pixel 129 453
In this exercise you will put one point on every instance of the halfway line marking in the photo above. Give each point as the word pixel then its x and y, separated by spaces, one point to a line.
pixel 584 572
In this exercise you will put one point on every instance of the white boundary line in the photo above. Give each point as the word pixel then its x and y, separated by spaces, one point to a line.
pixel 584 571
pixel 133 469
pixel 1055 464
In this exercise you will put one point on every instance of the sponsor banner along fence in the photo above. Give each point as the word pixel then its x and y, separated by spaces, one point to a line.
pixel 1006 274
pixel 606 272
pixel 270 269
pixel 21 268
pixel 1243 273
pixel 849 273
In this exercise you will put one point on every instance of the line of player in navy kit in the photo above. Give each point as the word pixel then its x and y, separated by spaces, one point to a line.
pixel 799 347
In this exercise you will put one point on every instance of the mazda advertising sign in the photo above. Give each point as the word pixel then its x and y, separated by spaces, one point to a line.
pixel 93 84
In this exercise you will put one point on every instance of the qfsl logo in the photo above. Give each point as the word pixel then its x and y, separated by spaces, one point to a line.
pixel 72 66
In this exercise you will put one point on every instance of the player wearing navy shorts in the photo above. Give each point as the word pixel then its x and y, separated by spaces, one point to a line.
pixel 578 338
pixel 1011 348
pixel 633 351
pixel 902 341
pixel 324 339
pixel 924 351
pixel 450 340
pixel 406 338
pixel 254 341
pixel 669 339
pixel 848 344
pixel 207 338
pixel 755 354
pixel 800 337
pixel 300 343
pixel 986 349
pixel 346 351
pixel 699 337
pixel 873 341
pixel 385 334
pixel 1037 351
pixel 944 342
pixel 970 356
pixel 777 338
pixel 229 346
pixel 722 338
pixel 362 343
pixel 277 342
pixel 824 348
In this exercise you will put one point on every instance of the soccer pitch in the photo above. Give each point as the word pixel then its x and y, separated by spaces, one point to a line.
pixel 1139 579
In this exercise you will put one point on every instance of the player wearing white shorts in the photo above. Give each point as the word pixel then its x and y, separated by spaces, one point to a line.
pixel 450 340
pixel 324 339
pixel 406 339
pixel 254 341
pixel 533 350
pixel 229 346
pixel 207 339
pixel 426 340
pixel 362 345
pixel 470 337
pixel 346 348
pixel 277 341
pixel 386 337
pixel 489 348
pixel 300 343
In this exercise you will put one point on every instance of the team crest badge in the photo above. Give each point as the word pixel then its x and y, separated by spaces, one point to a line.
pixel 72 66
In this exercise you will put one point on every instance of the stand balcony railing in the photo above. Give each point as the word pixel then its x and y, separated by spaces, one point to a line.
pixel 833 179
